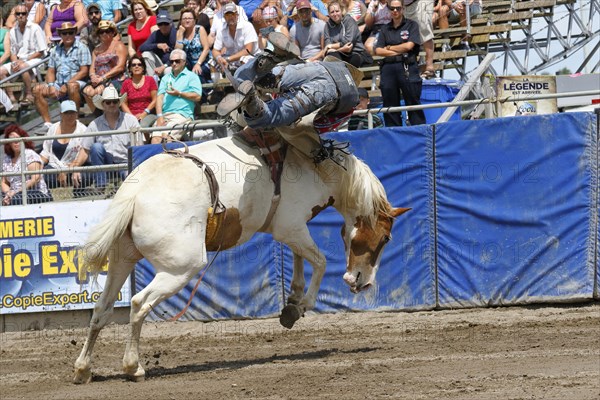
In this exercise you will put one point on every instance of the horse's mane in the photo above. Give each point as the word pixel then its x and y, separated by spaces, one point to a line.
pixel 361 191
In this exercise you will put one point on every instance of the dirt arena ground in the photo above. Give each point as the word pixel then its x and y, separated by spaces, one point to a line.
pixel 550 352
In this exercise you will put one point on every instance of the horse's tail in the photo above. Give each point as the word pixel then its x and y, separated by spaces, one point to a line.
pixel 104 235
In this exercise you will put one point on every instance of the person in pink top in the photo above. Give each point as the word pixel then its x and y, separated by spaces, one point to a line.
pixel 143 24
pixel 141 92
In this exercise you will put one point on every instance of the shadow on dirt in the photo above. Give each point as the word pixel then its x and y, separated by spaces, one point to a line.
pixel 235 364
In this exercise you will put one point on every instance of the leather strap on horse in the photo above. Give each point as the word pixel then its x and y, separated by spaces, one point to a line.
pixel 273 150
pixel 213 185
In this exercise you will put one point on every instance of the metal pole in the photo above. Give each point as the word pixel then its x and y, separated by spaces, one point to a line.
pixel 23 161
pixel 464 91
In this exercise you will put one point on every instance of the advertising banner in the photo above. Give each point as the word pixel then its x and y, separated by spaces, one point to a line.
pixel 40 258
pixel 523 86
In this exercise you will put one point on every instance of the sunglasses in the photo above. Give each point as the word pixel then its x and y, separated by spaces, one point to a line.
pixel 179 60
pixel 104 31
pixel 136 65
pixel 67 33
pixel 95 12
pixel 395 8
pixel 164 24
pixel 20 14
pixel 111 101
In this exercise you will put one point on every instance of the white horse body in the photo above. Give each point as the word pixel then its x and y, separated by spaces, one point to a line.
pixel 161 210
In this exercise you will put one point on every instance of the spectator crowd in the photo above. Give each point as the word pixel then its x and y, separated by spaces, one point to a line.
pixel 153 73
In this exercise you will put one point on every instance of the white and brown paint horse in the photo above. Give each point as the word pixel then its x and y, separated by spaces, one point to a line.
pixel 161 210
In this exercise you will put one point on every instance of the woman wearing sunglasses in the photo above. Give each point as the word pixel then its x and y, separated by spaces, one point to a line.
pixel 193 39
pixel 141 92
pixel 399 44
pixel 108 63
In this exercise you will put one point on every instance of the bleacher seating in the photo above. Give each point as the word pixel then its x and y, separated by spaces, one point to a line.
pixel 493 27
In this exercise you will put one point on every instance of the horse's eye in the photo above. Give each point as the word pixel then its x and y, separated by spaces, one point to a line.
pixel 386 238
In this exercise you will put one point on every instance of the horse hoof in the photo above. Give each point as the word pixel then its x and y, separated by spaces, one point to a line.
pixel 289 315
pixel 137 378
pixel 82 377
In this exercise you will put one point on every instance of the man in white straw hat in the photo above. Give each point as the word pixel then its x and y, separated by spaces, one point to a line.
pixel 105 150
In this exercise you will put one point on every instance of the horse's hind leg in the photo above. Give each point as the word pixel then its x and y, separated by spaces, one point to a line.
pixel 291 312
pixel 162 287
pixel 118 272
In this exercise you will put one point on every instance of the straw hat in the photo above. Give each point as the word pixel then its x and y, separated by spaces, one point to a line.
pixel 109 93
pixel 105 25
pixel 151 5
pixel 66 26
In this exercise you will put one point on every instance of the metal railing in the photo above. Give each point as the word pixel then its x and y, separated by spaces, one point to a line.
pixel 135 133
pixel 135 139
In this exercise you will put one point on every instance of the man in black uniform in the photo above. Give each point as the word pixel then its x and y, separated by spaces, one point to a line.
pixel 399 43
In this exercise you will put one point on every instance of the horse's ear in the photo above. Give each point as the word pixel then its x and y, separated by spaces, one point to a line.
pixel 399 211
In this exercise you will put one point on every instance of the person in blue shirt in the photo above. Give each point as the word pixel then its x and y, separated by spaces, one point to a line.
pixel 157 48
pixel 67 72
pixel 249 6
pixel 111 9
pixel 178 93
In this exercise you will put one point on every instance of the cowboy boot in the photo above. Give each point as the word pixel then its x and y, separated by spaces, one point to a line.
pixel 253 106
pixel 283 46
pixel 265 62
pixel 245 98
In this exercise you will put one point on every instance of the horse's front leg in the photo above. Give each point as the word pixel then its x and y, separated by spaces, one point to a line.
pixel 304 248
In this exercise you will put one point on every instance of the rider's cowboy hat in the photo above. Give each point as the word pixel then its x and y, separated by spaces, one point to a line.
pixel 109 93
pixel 357 74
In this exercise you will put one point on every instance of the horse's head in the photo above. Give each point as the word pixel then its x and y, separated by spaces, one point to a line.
pixel 364 245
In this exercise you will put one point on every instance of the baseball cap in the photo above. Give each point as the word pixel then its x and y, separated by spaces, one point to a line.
pixel 67 105
pixel 269 13
pixel 303 4
pixel 230 7
pixel 162 17
pixel 93 5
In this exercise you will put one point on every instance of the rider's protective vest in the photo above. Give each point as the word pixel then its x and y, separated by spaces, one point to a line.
pixel 347 90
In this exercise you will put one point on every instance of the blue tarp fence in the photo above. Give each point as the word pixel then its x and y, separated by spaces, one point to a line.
pixel 504 212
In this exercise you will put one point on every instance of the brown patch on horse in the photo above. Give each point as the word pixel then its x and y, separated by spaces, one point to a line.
pixel 369 241
pixel 223 230
pixel 366 243
pixel 317 209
